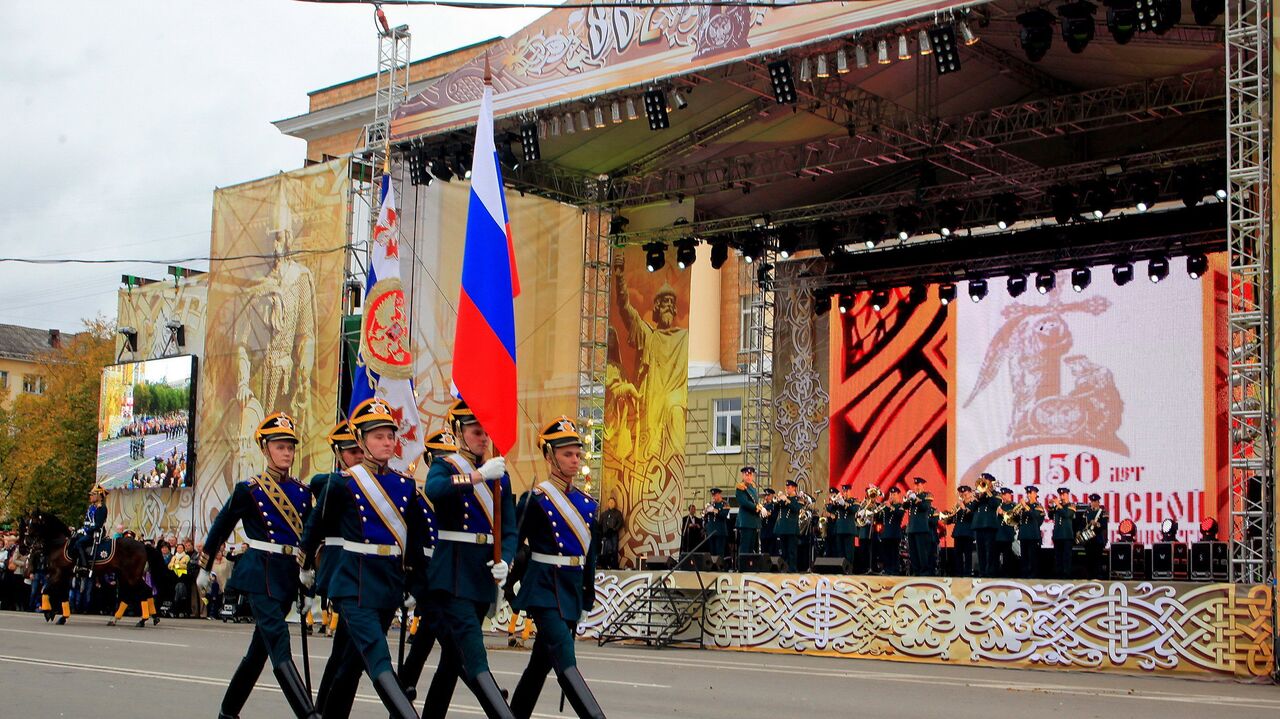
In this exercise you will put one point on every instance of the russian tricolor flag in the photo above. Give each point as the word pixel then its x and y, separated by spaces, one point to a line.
pixel 484 350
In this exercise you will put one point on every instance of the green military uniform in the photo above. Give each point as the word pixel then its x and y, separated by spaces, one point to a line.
pixel 716 524
pixel 921 536
pixel 986 523
pixel 1005 535
pixel 962 533
pixel 1095 518
pixel 846 526
pixel 748 522
pixel 1029 538
pixel 865 528
pixel 1064 534
pixel 890 536
pixel 787 528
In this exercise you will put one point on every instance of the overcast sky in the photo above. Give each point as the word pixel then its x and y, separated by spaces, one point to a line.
pixel 119 119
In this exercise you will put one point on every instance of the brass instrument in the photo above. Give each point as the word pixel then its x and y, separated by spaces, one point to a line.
pixel 1013 517
pixel 1090 531
pixel 984 487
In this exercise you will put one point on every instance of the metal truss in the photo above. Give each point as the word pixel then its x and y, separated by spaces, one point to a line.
pixel 1251 407
pixel 756 362
pixel 593 333
pixel 391 86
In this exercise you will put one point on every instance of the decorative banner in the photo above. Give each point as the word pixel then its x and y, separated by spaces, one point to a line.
pixel 800 399
pixel 272 338
pixel 1219 630
pixel 151 514
pixel 646 399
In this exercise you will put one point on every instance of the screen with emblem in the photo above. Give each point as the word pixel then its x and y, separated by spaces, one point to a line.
pixel 146 414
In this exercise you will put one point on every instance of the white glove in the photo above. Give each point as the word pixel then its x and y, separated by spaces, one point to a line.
pixel 499 570
pixel 307 604
pixel 494 468
pixel 205 580
pixel 410 602
pixel 307 577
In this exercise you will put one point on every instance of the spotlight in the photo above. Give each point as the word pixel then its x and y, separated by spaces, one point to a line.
pixel 950 217
pixel 752 249
pixel 1077 24
pixel 882 51
pixel 1191 184
pixel 879 300
pixel 1007 207
pixel 439 168
pixel 947 292
pixel 922 41
pixel 618 225
pixel 686 252
pixel 719 253
pixel 1208 529
pixel 1122 273
pixel 788 242
pixel 568 123
pixel 1197 265
pixel 907 220
pixel 1062 199
pixel 655 256
pixel 860 56
pixel 678 99
pixel 529 142
pixel 1157 268
pixel 130 336
pixel 1122 19
pixel 631 109
pixel 846 301
pixel 977 290
pixel 784 86
pixel 419 173
pixel 1167 14
pixel 1017 284
pixel 1036 35
pixel 615 112
pixel 655 109
pixel 904 48
pixel 1099 199
pixel 966 34
pixel 1080 278
pixel 1169 530
pixel 824 71
pixel 506 156
pixel 1046 280
pixel 917 294
pixel 806 70
pixel 842 61
pixel 946 56
pixel 1128 530
pixel 1145 192
pixel 873 228
pixel 1217 180
pixel 821 301
pixel 461 163
pixel 1206 11
pixel 584 122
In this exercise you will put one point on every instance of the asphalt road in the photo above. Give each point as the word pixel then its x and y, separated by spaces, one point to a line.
pixel 179 669
pixel 116 466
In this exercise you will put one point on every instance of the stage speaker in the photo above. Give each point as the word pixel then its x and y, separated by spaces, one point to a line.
pixel 829 565
pixel 699 561
pixel 1124 560
pixel 1169 560
pixel 659 562
pixel 1210 562
pixel 753 563
pixel 1221 562
pixel 777 565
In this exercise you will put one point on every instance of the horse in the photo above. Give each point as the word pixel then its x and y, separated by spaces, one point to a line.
pixel 128 558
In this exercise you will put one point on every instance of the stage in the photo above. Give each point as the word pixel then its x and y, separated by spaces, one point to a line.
pixel 1178 628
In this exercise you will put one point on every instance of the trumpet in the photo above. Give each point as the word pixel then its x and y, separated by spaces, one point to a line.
pixel 708 510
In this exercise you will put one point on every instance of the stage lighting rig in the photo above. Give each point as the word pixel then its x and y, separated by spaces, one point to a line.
pixel 1157 268
pixel 784 85
pixel 655 109
pixel 1208 529
pixel 460 162
pixel 655 256
pixel 946 55
pixel 419 174
pixel 752 248
pixel 1077 24
pixel 529 142
pixel 1046 280
pixel 1063 199
pixel 788 242
pixel 1206 11
pixel 1191 183
pixel 506 156
pixel 907 220
pixel 879 300
pixel 1128 530
pixel 1007 207
pixel 618 225
pixel 1122 273
pixel 923 42
pixel 950 217
pixel 1168 13
pixel 904 48
pixel 917 294
pixel 860 56
pixel 1169 530
pixel 846 300
pixel 439 167
pixel 1017 284
pixel 947 292
pixel 1036 35
pixel 1197 265
pixel 882 51
pixel 821 301
pixel 977 290
pixel 1081 277
pixel 686 252
pixel 873 228
pixel 966 34
pixel 1122 19
pixel 1099 199
pixel 842 61
pixel 1145 192
pixel 719 253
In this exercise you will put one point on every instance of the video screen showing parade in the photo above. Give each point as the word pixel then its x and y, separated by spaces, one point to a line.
pixel 145 417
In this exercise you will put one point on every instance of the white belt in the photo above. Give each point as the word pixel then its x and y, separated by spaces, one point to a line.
pixel 465 537
pixel 557 559
pixel 333 541
pixel 271 547
pixel 428 551
pixel 382 550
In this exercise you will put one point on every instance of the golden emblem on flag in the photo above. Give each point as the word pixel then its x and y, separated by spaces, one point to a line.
pixel 384 331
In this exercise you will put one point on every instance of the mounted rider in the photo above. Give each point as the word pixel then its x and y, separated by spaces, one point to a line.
pixel 95 520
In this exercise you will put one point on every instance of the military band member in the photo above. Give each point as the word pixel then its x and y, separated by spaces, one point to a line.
pixel 962 532
pixel 716 523
pixel 466 489
pixel 376 512
pixel 986 523
pixel 1006 534
pixel 1064 533
pixel 890 537
pixel 271 509
pixel 1030 519
pixel 558 587
pixel 865 519
pixel 768 537
pixel 844 508
pixel 748 523
pixel 95 518
pixel 1095 520
pixel 921 537
pixel 787 528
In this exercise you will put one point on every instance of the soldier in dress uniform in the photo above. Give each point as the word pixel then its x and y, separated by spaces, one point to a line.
pixel 95 518
pixel 271 509
pixel 1064 533
pixel 1095 519
pixel 768 538
pixel 962 532
pixel 748 522
pixel 921 535
pixel 866 530
pixel 845 528
pixel 986 522
pixel 557 589
pixel 787 529
pixel 716 523
pixel 890 539
pixel 471 494
pixel 1006 533
pixel 375 512
pixel 1029 522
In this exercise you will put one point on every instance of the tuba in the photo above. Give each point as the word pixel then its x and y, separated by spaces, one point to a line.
pixel 984 487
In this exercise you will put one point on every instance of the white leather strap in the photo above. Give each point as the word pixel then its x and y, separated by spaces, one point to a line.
pixel 381 550
pixel 465 537
pixel 271 547
pixel 557 559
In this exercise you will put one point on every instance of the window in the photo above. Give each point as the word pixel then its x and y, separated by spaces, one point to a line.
pixel 33 383
pixel 4 379
pixel 726 418
pixel 748 340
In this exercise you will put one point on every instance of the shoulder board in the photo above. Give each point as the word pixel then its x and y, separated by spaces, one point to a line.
pixel 741 486
pixel 345 473
pixel 536 490
pixel 402 474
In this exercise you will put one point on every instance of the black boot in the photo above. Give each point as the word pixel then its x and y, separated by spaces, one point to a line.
pixel 295 692
pixel 392 696
pixel 485 687
pixel 440 692
pixel 528 689
pixel 242 682
pixel 579 695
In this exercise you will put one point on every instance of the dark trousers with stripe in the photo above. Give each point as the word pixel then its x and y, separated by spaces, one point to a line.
pixel 367 631
pixel 270 640
pixel 552 649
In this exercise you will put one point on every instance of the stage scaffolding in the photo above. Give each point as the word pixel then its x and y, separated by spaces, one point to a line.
pixel 597 255
pixel 755 361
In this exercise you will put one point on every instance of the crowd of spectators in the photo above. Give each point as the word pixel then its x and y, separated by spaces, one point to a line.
pixel 168 471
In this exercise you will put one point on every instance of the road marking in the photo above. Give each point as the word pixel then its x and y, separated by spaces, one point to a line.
pixel 61 635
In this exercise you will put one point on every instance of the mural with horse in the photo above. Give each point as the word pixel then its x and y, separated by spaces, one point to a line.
pixel 127 558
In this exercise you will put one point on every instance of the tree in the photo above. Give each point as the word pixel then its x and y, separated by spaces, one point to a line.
pixel 48 442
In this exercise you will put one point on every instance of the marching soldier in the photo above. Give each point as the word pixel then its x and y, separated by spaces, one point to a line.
pixel 95 518
pixel 472 498
pixel 891 534
pixel 1029 522
pixel 438 445
pixel 1095 520
pixel 921 535
pixel 986 522
pixel 716 523
pixel 844 511
pixel 749 507
pixel 1006 533
pixel 1064 533
pixel 787 529
pixel 865 523
pixel 962 532
pixel 558 586
pixel 271 508
pixel 373 509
